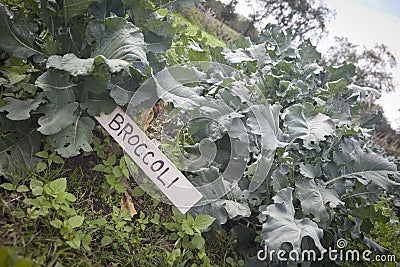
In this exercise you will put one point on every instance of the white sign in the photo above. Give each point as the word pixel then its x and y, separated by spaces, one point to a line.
pixel 150 159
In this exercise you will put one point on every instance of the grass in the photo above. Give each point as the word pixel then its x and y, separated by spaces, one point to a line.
pixel 37 239
pixel 210 24
pixel 107 236
pixel 193 28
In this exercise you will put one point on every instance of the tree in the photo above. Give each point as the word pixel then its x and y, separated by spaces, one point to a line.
pixel 226 14
pixel 229 10
pixel 217 6
pixel 304 17
pixel 373 65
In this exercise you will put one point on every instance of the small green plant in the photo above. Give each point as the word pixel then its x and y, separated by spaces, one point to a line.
pixel 189 243
pixel 105 147
pixel 68 230
pixel 9 257
pixel 113 173
pixel 52 195
pixel 116 230
pixel 385 230
pixel 58 227
pixel 48 156
pixel 18 79
pixel 14 187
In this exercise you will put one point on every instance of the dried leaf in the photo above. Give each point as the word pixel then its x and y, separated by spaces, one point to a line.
pixel 127 204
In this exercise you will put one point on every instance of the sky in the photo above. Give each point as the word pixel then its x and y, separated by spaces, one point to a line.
pixel 368 22
pixel 365 23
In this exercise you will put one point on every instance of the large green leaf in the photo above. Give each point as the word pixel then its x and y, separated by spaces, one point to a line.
pixel 98 80
pixel 218 110
pixel 338 86
pixel 122 87
pixel 346 71
pixel 314 199
pixel 262 167
pixel 265 123
pixel 75 137
pixel 237 56
pixel 16 37
pixel 82 67
pixel 18 143
pixel 235 209
pixel 166 86
pixel 74 8
pixel 57 118
pixel 339 111
pixel 71 64
pixel 54 80
pixel 277 39
pixel 309 170
pixel 282 227
pixel 95 104
pixel 20 109
pixel 304 125
pixel 364 165
pixel 120 95
pixel 279 181
pixel 117 39
pixel 57 86
pixel 160 27
pixel 307 54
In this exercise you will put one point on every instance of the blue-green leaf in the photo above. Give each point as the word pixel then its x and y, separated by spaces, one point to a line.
pixel 20 109
pixel 17 37
pixel 304 125
pixel 57 118
pixel 118 39
pixel 282 227
pixel 73 138
pixel 315 198
pixel 18 146
pixel 74 8
pixel 366 166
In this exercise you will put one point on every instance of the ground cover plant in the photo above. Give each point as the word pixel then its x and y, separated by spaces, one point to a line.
pixel 311 173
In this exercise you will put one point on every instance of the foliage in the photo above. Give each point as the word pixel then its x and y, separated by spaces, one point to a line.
pixel 211 25
pixel 66 62
pixel 53 196
pixel 307 143
pixel 108 235
pixel 293 129
pixel 374 66
pixel 306 18
pixel 114 172
pixel 385 232
pixel 186 233
pixel 226 14
pixel 212 39
pixel 48 158
pixel 9 257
